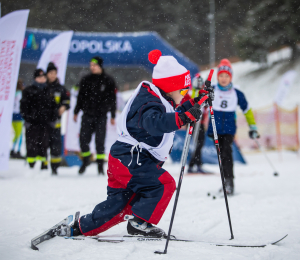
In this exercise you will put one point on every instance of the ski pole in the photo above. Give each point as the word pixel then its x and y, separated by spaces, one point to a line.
pixel 208 87
pixel 184 158
pixel 265 154
pixel 186 137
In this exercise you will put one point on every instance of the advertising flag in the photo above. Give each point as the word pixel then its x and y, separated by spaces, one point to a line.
pixel 57 51
pixel 286 83
pixel 12 33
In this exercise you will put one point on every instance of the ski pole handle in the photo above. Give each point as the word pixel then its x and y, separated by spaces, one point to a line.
pixel 210 75
pixel 201 103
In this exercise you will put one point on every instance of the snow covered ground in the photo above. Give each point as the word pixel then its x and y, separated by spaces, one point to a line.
pixel 264 209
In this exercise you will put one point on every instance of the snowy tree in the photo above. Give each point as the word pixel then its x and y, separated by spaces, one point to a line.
pixel 269 26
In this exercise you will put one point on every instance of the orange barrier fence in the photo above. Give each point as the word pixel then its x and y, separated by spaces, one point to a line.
pixel 278 129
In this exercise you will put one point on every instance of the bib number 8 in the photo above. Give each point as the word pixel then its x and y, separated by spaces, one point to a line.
pixel 224 104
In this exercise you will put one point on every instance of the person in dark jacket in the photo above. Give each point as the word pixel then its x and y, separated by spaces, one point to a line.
pixel 38 109
pixel 62 100
pixel 97 96
pixel 139 189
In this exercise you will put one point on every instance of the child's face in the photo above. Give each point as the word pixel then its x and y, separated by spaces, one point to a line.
pixel 176 96
pixel 224 79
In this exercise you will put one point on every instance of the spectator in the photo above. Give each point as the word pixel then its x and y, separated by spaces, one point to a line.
pixel 198 84
pixel 17 122
pixel 38 110
pixel 97 96
pixel 62 100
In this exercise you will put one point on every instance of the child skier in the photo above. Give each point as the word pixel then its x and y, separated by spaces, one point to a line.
pixel 225 103
pixel 137 185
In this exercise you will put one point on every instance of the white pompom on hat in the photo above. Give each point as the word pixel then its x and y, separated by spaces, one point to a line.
pixel 168 74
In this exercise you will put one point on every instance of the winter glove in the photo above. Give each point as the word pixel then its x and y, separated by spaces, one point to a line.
pixel 253 134
pixel 193 114
pixel 202 93
pixel 210 89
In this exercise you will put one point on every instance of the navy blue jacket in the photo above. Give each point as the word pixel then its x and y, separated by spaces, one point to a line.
pixel 226 120
pixel 147 120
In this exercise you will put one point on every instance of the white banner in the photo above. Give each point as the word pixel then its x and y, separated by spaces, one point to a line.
pixel 73 128
pixel 12 33
pixel 286 82
pixel 57 51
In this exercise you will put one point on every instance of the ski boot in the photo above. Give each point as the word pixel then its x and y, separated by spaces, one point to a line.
pixel 54 167
pixel 229 187
pixel 85 163
pixel 200 170
pixel 12 154
pixel 137 226
pixel 191 169
pixel 69 230
pixel 100 166
pixel 31 165
pixel 19 156
pixel 44 165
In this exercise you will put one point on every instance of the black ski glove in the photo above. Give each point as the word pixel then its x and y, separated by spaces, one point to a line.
pixel 202 93
pixel 253 132
pixel 193 114
pixel 210 90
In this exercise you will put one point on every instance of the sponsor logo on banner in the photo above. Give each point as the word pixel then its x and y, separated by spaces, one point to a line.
pixel 1 113
pixel 7 51
pixel 30 42
pixel 93 46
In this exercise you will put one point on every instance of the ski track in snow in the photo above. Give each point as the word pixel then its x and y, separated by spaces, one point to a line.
pixel 265 209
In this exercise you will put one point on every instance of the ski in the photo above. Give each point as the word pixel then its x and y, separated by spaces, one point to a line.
pixel 145 239
pixel 50 233
pixel 120 239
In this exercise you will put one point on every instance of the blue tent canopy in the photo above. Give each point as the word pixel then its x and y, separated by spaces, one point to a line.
pixel 117 49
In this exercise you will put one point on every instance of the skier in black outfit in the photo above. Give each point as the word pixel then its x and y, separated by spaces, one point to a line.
pixel 62 100
pixel 97 96
pixel 38 109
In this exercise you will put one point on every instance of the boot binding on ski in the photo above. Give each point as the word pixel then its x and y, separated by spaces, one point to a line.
pixel 137 226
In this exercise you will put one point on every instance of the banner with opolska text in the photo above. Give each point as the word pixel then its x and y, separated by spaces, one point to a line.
pixel 12 33
pixel 57 51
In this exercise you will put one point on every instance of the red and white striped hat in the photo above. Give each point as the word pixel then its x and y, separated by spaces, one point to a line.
pixel 168 74
pixel 225 67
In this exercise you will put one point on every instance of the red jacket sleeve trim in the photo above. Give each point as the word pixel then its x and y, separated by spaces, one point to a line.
pixel 190 116
pixel 179 122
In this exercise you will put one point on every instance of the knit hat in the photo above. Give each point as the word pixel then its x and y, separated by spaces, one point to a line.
pixel 98 60
pixel 38 73
pixel 168 74
pixel 51 66
pixel 225 67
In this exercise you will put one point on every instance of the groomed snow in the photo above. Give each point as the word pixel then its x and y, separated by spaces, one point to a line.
pixel 264 209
